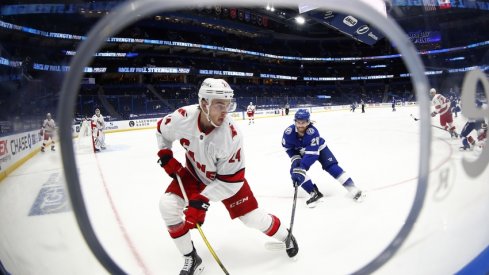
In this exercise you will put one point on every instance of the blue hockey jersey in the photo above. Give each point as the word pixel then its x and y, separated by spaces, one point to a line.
pixel 308 146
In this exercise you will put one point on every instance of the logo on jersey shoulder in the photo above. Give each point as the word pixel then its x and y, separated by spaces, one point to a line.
pixel 310 131
pixel 183 112
pixel 288 131
pixel 167 120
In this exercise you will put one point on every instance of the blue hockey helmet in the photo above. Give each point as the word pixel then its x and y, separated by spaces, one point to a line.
pixel 302 114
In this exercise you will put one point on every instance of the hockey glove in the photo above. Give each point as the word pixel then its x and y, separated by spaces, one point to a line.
pixel 296 162
pixel 197 207
pixel 298 176
pixel 433 114
pixel 169 163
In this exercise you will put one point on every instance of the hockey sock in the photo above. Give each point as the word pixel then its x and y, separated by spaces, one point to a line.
pixel 334 170
pixel 183 243
pixel 308 186
pixel 340 175
pixel 348 182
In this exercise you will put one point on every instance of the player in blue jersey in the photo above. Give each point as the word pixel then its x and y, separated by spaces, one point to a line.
pixel 305 146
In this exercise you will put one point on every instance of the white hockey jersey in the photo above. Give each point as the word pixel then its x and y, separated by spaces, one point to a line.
pixel 49 125
pixel 98 122
pixel 215 158
pixel 250 109
pixel 441 104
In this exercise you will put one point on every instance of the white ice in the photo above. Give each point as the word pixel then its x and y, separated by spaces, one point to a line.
pixel 379 149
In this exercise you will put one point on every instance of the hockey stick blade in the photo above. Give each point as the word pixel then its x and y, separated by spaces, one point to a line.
pixel 278 246
pixel 415 119
pixel 438 127
pixel 275 246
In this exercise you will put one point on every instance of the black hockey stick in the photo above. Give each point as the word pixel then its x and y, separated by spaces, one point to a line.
pixel 289 237
pixel 285 245
pixel 441 128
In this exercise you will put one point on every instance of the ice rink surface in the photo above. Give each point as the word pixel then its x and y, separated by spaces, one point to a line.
pixel 379 149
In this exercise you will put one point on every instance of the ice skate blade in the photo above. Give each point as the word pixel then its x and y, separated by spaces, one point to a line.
pixel 314 204
pixel 360 199
pixel 275 246
pixel 199 269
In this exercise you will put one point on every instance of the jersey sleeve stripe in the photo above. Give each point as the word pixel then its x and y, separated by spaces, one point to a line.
pixel 158 124
pixel 236 177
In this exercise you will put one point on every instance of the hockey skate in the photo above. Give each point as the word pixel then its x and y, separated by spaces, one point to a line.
pixel 291 246
pixel 355 193
pixel 52 149
pixel 42 149
pixel 193 264
pixel 315 198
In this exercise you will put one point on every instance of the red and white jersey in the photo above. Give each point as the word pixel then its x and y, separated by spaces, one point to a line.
pixel 49 125
pixel 482 135
pixel 216 158
pixel 98 122
pixel 250 109
pixel 441 103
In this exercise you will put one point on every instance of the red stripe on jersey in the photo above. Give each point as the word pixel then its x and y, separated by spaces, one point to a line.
pixel 273 227
pixel 158 124
pixel 236 177
pixel 233 131
pixel 178 230
pixel 191 169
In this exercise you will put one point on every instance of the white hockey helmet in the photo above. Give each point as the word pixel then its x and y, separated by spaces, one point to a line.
pixel 48 115
pixel 251 103
pixel 215 88
pixel 432 91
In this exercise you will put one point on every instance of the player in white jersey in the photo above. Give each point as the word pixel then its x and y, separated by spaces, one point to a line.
pixel 98 126
pixel 215 171
pixel 48 130
pixel 442 107
pixel 250 111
